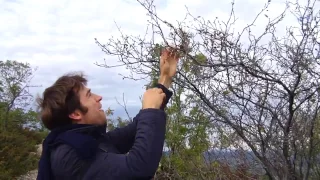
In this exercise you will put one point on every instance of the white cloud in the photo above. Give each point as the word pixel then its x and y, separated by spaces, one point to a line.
pixel 58 36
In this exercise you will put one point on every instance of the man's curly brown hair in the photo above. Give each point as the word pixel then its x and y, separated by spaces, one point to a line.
pixel 61 99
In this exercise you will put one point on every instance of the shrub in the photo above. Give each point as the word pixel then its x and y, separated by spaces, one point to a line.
pixel 15 152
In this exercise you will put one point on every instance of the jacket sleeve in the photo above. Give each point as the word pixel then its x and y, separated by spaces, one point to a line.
pixel 123 138
pixel 143 158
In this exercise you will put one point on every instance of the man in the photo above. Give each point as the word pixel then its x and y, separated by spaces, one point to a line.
pixel 78 146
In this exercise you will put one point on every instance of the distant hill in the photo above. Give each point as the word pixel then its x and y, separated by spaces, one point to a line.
pixel 233 158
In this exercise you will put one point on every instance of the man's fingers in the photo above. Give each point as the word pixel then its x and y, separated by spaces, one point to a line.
pixel 169 51
pixel 170 54
pixel 174 54
pixel 159 90
pixel 165 52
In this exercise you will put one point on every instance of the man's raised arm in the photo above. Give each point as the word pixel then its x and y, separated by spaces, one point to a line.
pixel 123 138
pixel 145 154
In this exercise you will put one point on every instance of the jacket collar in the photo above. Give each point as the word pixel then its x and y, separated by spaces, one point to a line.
pixel 89 129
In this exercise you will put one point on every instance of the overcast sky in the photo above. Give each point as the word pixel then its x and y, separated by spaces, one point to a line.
pixel 57 36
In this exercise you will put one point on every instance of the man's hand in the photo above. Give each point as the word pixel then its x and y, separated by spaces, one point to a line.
pixel 153 98
pixel 168 66
pixel 168 62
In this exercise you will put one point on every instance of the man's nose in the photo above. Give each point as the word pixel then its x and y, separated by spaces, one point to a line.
pixel 99 98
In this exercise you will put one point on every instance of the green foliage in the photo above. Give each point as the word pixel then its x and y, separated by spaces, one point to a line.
pixel 188 133
pixel 186 140
pixel 157 51
pixel 262 93
pixel 113 123
pixel 20 127
pixel 17 151
pixel 14 83
pixel 316 151
pixel 154 80
pixel 17 144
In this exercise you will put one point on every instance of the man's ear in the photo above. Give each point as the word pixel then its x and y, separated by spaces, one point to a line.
pixel 76 115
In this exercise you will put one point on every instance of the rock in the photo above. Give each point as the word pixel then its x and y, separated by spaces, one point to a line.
pixel 39 149
pixel 32 175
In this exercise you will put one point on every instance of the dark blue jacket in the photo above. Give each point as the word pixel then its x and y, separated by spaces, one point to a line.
pixel 88 152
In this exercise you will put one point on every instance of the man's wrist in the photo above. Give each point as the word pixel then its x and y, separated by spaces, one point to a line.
pixel 165 81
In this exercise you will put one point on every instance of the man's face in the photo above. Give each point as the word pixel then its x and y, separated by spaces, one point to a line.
pixel 95 114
